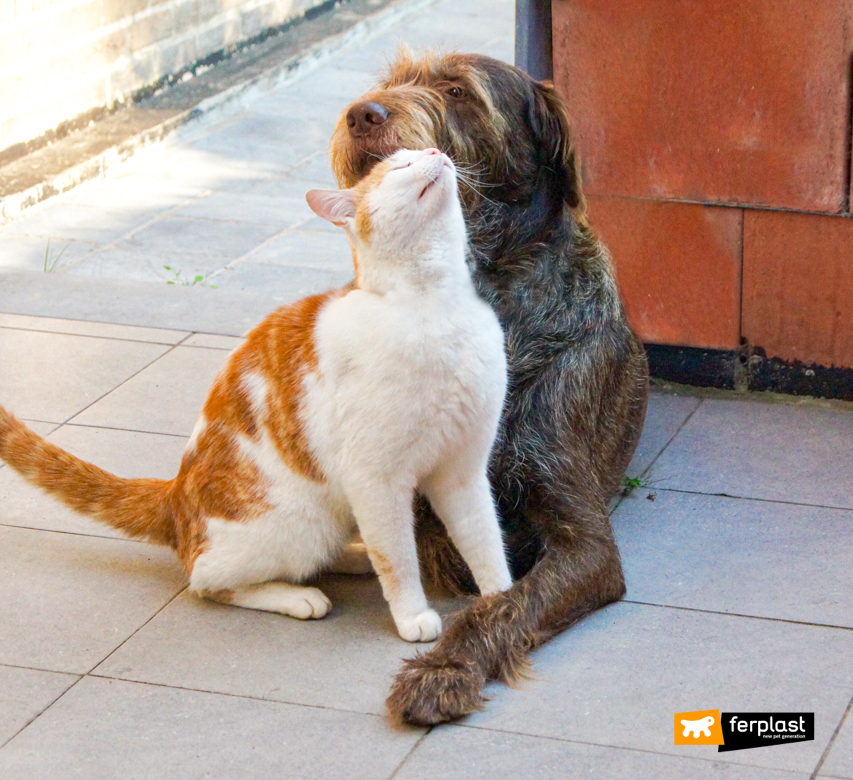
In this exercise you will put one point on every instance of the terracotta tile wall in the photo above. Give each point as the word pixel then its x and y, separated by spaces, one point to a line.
pixel 716 148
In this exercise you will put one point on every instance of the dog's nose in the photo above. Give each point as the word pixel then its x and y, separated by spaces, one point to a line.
pixel 364 118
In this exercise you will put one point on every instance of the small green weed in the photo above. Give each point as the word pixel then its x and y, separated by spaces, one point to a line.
pixel 52 263
pixel 185 282
pixel 630 484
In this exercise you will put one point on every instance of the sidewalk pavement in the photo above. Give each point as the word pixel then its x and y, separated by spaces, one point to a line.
pixel 737 540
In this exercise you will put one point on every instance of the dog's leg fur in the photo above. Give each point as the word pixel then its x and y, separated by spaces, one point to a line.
pixel 578 571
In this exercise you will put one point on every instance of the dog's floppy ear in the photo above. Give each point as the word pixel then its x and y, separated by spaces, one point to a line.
pixel 549 122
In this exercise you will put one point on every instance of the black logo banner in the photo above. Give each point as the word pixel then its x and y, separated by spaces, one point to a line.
pixel 742 730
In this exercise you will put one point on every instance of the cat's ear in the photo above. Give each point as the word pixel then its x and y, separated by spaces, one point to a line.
pixel 338 206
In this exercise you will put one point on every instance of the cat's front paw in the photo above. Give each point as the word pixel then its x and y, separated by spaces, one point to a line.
pixel 421 628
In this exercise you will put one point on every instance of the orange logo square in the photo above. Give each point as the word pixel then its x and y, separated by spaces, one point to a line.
pixel 698 728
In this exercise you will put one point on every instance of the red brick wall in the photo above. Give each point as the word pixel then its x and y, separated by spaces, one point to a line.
pixel 715 142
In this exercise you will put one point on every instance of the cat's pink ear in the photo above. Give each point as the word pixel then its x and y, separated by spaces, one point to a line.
pixel 337 206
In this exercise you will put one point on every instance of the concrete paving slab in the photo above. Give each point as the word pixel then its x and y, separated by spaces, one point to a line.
pixel 249 207
pixel 256 155
pixel 71 600
pixel 839 762
pixel 52 376
pixel 618 677
pixel 285 281
pixel 106 728
pixel 146 196
pixel 289 186
pixel 666 414
pixel 25 693
pixel 772 560
pixel 313 170
pixel 760 450
pixel 345 661
pixel 209 341
pixel 207 238
pixel 167 397
pixel 502 49
pixel 308 250
pixel 139 303
pixel 184 167
pixel 126 453
pixel 32 253
pixel 62 222
pixel 102 330
pixel 475 754
pixel 149 263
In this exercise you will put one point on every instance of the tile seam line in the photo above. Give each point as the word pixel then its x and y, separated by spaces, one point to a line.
pixel 92 336
pixel 798 772
pixel 754 498
pixel 39 714
pixel 124 381
pixel 699 610
pixel 87 674
pixel 648 470
pixel 413 749
pixel 76 533
pixel 154 218
pixel 39 669
pixel 828 749
pixel 249 697
pixel 95 322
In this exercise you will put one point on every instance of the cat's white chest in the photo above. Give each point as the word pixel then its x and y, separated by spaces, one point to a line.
pixel 408 379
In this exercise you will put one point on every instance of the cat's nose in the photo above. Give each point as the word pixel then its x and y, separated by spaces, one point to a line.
pixel 432 151
pixel 364 118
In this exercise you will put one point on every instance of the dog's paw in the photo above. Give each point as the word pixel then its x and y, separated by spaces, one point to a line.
pixel 427 691
pixel 424 627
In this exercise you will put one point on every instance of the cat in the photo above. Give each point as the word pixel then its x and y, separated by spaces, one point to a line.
pixel 331 415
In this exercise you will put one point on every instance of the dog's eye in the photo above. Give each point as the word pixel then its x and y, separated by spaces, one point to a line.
pixel 455 92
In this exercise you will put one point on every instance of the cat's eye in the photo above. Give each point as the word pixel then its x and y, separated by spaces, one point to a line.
pixel 455 92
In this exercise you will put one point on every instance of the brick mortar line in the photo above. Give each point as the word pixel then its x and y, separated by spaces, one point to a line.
pixel 718 204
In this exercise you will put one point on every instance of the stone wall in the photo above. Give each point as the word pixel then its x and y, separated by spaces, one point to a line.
pixel 62 58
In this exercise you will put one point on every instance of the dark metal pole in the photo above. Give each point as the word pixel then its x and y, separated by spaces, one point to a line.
pixel 533 51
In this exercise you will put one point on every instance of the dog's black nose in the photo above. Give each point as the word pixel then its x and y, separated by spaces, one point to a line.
pixel 364 118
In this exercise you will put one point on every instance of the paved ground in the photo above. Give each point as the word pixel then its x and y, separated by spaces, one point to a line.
pixel 740 571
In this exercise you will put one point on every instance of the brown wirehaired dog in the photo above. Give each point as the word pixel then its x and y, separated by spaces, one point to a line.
pixel 578 376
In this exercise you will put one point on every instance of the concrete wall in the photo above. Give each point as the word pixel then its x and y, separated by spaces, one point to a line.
pixel 61 58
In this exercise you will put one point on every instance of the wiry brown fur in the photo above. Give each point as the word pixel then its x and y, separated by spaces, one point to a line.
pixel 578 376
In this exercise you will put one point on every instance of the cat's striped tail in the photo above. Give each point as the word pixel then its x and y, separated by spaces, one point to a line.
pixel 140 508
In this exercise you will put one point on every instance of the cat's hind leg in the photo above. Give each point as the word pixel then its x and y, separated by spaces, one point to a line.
pixel 282 597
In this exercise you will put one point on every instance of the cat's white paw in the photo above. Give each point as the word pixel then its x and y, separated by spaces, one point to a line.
pixel 421 628
pixel 307 603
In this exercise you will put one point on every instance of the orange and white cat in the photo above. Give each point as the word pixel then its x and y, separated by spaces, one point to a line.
pixel 330 415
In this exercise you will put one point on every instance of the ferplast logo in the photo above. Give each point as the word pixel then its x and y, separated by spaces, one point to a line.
pixel 698 728
pixel 742 730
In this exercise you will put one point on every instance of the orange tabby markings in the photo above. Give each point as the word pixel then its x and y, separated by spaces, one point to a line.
pixel 331 414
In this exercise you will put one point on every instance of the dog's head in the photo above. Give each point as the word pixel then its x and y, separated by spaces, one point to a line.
pixel 508 134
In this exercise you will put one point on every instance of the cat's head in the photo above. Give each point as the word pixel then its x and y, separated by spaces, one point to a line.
pixel 406 204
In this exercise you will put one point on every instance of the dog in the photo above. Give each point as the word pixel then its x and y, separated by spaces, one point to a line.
pixel 578 376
